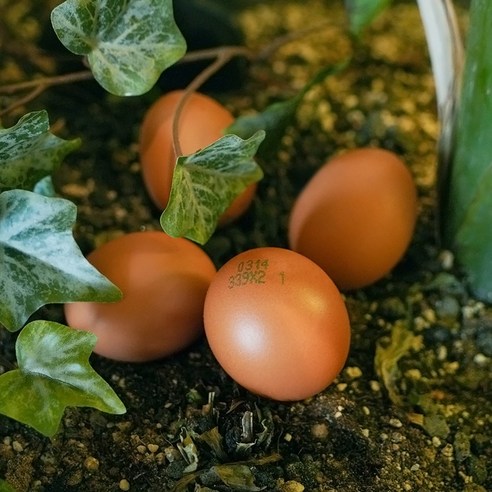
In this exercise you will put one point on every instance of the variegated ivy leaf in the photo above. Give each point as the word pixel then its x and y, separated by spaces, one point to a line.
pixel 53 373
pixel 40 262
pixel 128 43
pixel 29 152
pixel 205 184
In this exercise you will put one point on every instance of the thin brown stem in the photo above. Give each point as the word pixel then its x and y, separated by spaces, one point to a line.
pixel 24 100
pixel 46 82
pixel 209 53
pixel 222 56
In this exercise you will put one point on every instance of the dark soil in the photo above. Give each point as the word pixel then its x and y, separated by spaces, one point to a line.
pixel 412 409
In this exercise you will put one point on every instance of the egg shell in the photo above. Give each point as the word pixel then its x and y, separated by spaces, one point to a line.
pixel 277 324
pixel 356 216
pixel 163 280
pixel 202 122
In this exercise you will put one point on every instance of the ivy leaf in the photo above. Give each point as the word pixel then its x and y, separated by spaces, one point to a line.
pixel 54 373
pixel 41 263
pixel 363 12
pixel 205 184
pixel 128 44
pixel 29 152
pixel 276 118
pixel 467 206
pixel 45 187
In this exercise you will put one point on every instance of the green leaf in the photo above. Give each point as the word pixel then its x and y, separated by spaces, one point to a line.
pixel 274 120
pixel 29 152
pixel 277 117
pixel 205 184
pixel 128 43
pixel 5 486
pixel 363 12
pixel 467 218
pixel 40 261
pixel 54 373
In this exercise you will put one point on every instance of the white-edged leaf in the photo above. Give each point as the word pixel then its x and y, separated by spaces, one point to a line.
pixel 53 373
pixel 29 152
pixel 205 184
pixel 445 49
pixel 40 260
pixel 128 43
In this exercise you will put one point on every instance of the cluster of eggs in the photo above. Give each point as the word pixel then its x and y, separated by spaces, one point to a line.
pixel 274 317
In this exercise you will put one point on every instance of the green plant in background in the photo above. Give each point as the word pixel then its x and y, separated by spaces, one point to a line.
pixel 464 96
pixel 127 46
pixel 467 199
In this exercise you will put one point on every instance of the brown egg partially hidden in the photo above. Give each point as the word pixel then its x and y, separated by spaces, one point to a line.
pixel 356 216
pixel 277 324
pixel 202 122
pixel 164 281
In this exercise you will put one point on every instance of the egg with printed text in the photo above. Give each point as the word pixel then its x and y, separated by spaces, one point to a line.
pixel 277 324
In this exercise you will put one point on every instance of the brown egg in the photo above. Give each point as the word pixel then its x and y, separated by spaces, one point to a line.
pixel 164 281
pixel 356 216
pixel 203 121
pixel 277 324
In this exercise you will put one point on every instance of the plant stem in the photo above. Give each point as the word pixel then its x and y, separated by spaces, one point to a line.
pixel 222 56
pixel 24 100
pixel 38 86
pixel 46 82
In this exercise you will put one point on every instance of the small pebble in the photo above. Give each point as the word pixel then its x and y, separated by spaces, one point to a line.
pixel 480 359
pixel 353 372
pixel 91 464
pixel 17 446
pixel 153 448
pixel 124 484
pixel 319 431
pixel 375 386
pixel 447 259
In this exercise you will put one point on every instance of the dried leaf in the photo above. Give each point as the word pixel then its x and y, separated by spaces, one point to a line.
pixel 386 359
